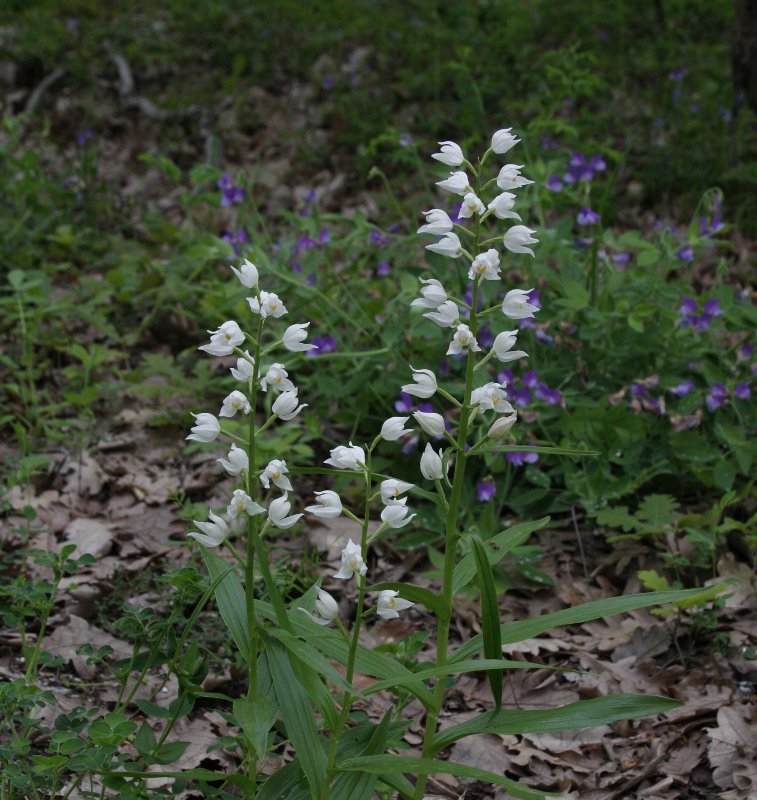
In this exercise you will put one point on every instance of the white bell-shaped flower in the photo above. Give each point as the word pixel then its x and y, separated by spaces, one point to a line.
pixel 352 457
pixel 516 239
pixel 462 340
pixel 248 274
pixel 503 140
pixel 431 464
pixel 516 305
pixel 485 266
pixel 432 424
pixel 241 503
pixel 236 462
pixel 294 338
pixel 213 533
pixel 328 505
pixel 503 425
pixel 244 369
pixel 234 402
pixel 278 511
pixel 503 347
pixel 326 609
pixel 510 178
pixel 352 561
pixel 278 378
pixel 224 340
pixel 395 513
pixel 449 245
pixel 285 406
pixel 457 183
pixel 391 489
pixel 205 429
pixel 438 222
pixel 451 154
pixel 502 206
pixel 432 294
pixel 393 428
pixel 389 604
pixel 276 472
pixel 425 384
pixel 471 205
pixel 447 314
pixel 269 305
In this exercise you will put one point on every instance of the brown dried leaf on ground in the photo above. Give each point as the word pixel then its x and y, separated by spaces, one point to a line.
pixel 732 749
pixel 93 536
pixel 73 633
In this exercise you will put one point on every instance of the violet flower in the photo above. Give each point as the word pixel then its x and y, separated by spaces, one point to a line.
pixel 485 491
pixel 716 397
pixel 587 217
pixel 521 459
pixel 682 389
pixel 322 345
pixel 686 253
pixel 743 391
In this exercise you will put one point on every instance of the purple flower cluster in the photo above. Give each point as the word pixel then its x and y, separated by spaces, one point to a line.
pixel 531 388
pixel 485 491
pixel 716 397
pixel 230 194
pixel 580 168
pixel 236 239
pixel 690 316
pixel 323 345
pixel 521 459
pixel 642 400
pixel 586 217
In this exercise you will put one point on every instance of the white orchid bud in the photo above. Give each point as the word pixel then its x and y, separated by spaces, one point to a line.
pixel 244 369
pixel 517 238
pixel 503 345
pixel 393 428
pixel 510 178
pixel 395 514
pixel 450 154
pixel 503 140
pixel 516 305
pixel 278 510
pixel 425 384
pixel 351 457
pixel 294 338
pixel 224 340
pixel 205 429
pixel 328 505
pixel 326 609
pixel 352 561
pixel 248 274
pixel 449 245
pixel 285 406
pixel 502 206
pixel 457 183
pixel 431 464
pixel 438 222
pixel 432 424
pixel 391 489
pixel 502 426
pixel 213 532
pixel 237 462
pixel 447 315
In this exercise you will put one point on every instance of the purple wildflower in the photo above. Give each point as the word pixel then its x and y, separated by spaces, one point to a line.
pixel 688 306
pixel 588 217
pixel 638 390
pixel 324 236
pixel 554 184
pixel 296 266
pixel 406 139
pixel 485 491
pixel 85 135
pixel 678 74
pixel 597 163
pixel 683 388
pixel 520 397
pixel 686 253
pixel 552 397
pixel 716 396
pixel 328 83
pixel 230 194
pixel 405 404
pixel 485 337
pixel 236 239
pixel 743 391
pixel 520 459
pixel 530 379
pixel 383 269
pixel 506 376
pixel 310 280
pixel 544 337
pixel 711 308
pixel 744 352
pixel 454 215
pixel 323 344
pixel 426 408
pixel 621 258
pixel 444 368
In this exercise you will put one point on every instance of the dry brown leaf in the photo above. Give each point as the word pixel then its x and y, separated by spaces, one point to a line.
pixel 733 749
pixel 75 632
pixel 93 536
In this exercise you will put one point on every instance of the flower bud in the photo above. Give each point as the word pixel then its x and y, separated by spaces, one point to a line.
pixel 205 429
pixel 432 424
pixel 326 606
pixel 431 464
pixel 451 154
pixel 285 406
pixel 393 428
pixel 328 505
pixel 425 385
pixel 502 426
pixel 294 338
pixel 248 275
pixel 503 140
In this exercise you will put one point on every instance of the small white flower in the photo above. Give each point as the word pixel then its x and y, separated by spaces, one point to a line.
pixel 278 378
pixel 432 424
pixel 328 505
pixel 503 140
pixel 242 503
pixel 351 457
pixel 491 397
pixel 236 401
pixel 502 206
pixel 433 294
pixel 431 463
pixel 213 533
pixel 244 368
pixel 224 340
pixel 450 154
pixel 269 305
pixel 447 315
pixel 395 514
pixel 278 510
pixel 388 604
pixel 248 275
pixel 449 245
pixel 393 428
pixel 205 429
pixel 485 266
pixel 391 489
pixel 516 305
pixel 471 205
pixel 510 178
pixel 276 472
pixel 518 237
pixel 424 386
pixel 503 347
pixel 438 222
pixel 294 338
pixel 326 609
pixel 285 405
pixel 237 462
pixel 457 183
pixel 462 340
pixel 502 426
pixel 352 562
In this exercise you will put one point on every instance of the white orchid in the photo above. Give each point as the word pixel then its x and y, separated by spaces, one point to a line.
pixel 278 510
pixel 352 561
pixel 449 245
pixel 425 384
pixel 205 429
pixel 234 402
pixel 433 294
pixel 502 206
pixel 516 239
pixel 431 464
pixel 326 609
pixel 450 154
pixel 285 405
pixel 447 314
pixel 328 505
pixel 391 489
pixel 352 457
pixel 236 462
pixel 244 369
pixel 269 305
pixel 294 338
pixel 393 428
pixel 395 514
pixel 457 183
pixel 485 266
pixel 438 222
pixel 432 424
pixel 248 274
pixel 241 503
pixel 213 533
pixel 503 347
pixel 503 140
pixel 389 604
pixel 462 340
pixel 503 425
pixel 510 178
pixel 471 205
pixel 224 339
pixel 278 378
pixel 516 305
pixel 276 472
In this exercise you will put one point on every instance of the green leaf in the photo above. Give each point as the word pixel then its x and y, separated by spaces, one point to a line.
pixel 145 740
pixel 416 594
pixel 724 474
pixel 430 766
pixel 230 599
pixel 287 782
pixel 298 717
pixel 256 720
pixel 647 258
pixel 535 448
pixel 582 714
pixel 576 295
pixel 657 510
pixel 617 517
pixel 359 786
pixel 512 632
pixel 497 548
pixel 489 615
pixel 170 752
